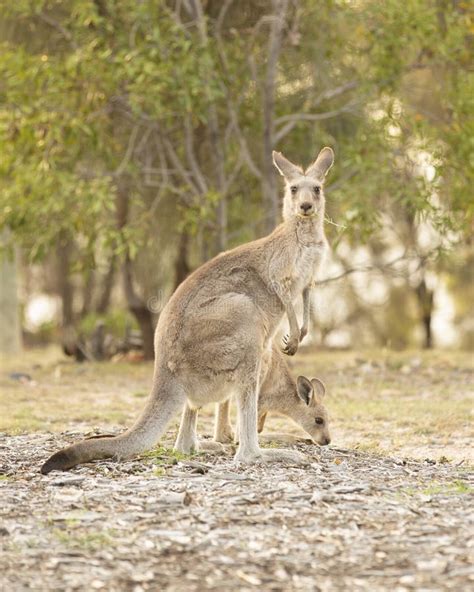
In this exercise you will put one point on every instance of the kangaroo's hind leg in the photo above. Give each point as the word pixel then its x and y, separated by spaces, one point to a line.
pixel 223 430
pixel 187 440
pixel 249 450
pixel 261 422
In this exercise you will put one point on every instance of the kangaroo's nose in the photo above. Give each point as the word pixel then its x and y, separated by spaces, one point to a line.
pixel 306 207
pixel 327 441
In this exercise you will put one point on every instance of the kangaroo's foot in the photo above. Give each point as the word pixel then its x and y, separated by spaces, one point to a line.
pixel 290 344
pixel 273 455
pixel 224 435
pixel 210 446
pixel 249 457
pixel 190 446
pixel 282 455
pixel 186 445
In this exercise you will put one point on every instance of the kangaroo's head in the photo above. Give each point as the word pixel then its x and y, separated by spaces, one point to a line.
pixel 304 196
pixel 311 413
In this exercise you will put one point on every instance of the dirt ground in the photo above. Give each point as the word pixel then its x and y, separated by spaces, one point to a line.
pixel 387 506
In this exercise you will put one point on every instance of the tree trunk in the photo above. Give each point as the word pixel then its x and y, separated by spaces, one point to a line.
pixel 269 189
pixel 181 267
pixel 139 310
pixel 136 305
pixel 426 304
pixel 65 288
pixel 10 328
pixel 217 146
pixel 88 292
pixel 108 284
pixel 428 344
pixel 218 157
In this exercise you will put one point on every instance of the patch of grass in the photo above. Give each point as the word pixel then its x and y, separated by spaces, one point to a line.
pixel 167 456
pixel 436 488
pixel 425 431
pixel 372 446
pixel 24 419
pixel 270 444
pixel 86 541
pixel 410 403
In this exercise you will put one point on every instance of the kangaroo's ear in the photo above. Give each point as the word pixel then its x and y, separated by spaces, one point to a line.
pixel 304 388
pixel 286 168
pixel 319 387
pixel 321 165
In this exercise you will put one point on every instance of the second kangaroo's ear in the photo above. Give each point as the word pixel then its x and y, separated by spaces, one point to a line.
pixel 304 388
pixel 322 164
pixel 319 387
pixel 286 168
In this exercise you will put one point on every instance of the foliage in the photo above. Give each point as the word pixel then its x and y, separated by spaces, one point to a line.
pixel 116 322
pixel 68 109
pixel 176 106
pixel 79 75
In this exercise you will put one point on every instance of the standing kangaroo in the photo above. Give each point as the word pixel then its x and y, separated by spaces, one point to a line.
pixel 301 400
pixel 213 332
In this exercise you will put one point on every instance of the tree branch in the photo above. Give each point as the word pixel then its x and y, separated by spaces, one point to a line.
pixel 295 118
pixel 187 177
pixel 335 92
pixel 222 15
pixel 381 268
pixel 128 152
pixel 191 156
pixel 280 8
pixel 57 25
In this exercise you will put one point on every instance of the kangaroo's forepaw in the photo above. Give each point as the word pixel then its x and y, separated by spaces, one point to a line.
pixel 303 333
pixel 290 345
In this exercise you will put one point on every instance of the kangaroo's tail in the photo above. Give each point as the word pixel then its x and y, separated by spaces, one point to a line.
pixel 164 402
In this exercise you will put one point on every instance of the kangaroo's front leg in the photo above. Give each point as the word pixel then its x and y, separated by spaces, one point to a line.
pixel 187 440
pixel 291 341
pixel 306 312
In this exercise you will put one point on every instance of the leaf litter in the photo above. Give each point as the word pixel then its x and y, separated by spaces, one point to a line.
pixel 349 520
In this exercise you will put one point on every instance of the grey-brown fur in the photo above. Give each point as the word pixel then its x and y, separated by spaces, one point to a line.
pixel 214 331
pixel 301 400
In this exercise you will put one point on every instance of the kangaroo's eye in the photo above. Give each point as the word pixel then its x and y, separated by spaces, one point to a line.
pixel 293 189
pixel 319 420
pixel 317 189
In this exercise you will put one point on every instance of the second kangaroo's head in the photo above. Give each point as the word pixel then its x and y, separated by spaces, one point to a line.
pixel 312 415
pixel 304 196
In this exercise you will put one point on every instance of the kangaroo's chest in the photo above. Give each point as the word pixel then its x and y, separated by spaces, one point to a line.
pixel 305 266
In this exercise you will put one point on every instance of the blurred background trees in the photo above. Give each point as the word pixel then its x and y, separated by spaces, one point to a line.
pixel 136 143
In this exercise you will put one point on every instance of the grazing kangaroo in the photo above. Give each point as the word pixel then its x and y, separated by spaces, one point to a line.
pixel 213 332
pixel 301 400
